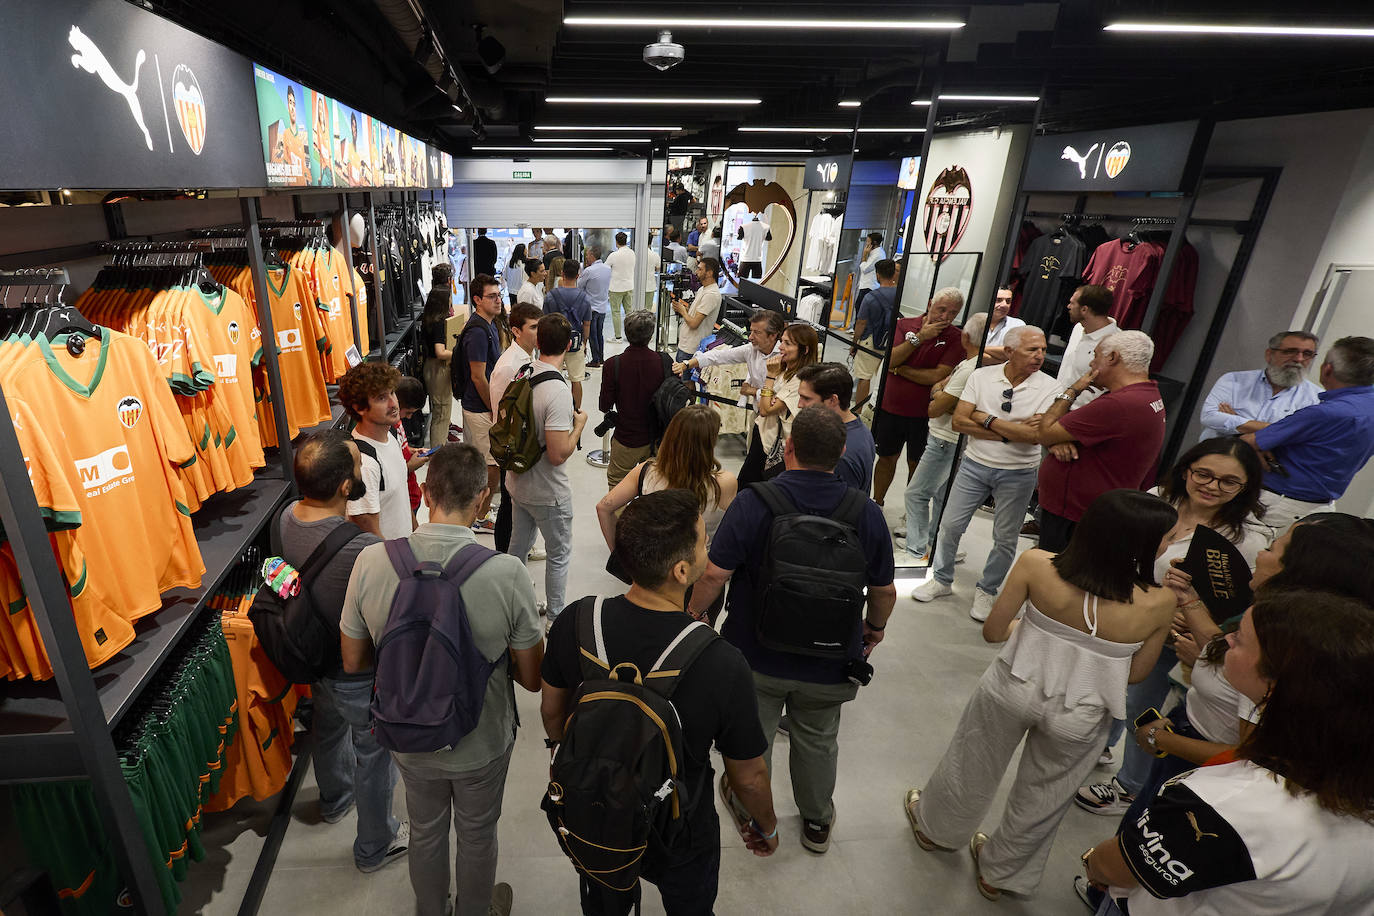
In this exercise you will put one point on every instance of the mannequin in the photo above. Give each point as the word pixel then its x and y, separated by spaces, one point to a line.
pixel 754 233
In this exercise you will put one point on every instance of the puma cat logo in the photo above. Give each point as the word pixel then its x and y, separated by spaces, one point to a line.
pixel 91 59
pixel 1071 154
pixel 1192 819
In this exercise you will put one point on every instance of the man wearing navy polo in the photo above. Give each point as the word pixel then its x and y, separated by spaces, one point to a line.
pixel 1311 455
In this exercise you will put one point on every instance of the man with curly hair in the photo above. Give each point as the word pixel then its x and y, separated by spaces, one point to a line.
pixel 368 392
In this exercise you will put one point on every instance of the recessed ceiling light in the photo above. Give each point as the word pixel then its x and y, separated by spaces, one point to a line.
pixel 768 149
pixel 699 146
pixel 598 140
pixel 543 149
pixel 657 100
pixel 925 103
pixel 852 103
pixel 947 97
pixel 1198 28
pixel 892 130
pixel 796 130
pixel 627 128
pixel 708 21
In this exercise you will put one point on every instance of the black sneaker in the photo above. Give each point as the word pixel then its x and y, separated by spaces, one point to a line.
pixel 785 726
pixel 1106 798
pixel 816 837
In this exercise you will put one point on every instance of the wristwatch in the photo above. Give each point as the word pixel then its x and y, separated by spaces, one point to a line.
pixel 987 423
pixel 912 338
pixel 1069 394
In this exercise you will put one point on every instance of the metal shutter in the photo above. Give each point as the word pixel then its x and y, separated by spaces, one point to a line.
pixel 475 204
pixel 870 207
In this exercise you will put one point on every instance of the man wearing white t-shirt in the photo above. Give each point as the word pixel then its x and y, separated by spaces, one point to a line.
pixel 698 317
pixel 368 392
pixel 524 327
pixel 1090 311
pixel 622 265
pixel 1001 461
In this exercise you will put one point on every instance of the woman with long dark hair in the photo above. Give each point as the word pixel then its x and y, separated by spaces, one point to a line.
pixel 1215 484
pixel 1288 827
pixel 515 272
pixel 778 402
pixel 438 352
pixel 1095 619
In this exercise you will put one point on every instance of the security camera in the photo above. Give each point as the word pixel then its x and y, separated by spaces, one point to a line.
pixel 664 53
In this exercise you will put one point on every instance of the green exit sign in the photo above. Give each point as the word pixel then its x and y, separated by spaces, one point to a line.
pixel 522 174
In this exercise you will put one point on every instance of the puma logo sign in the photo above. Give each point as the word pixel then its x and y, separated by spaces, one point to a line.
pixel 1192 819
pixel 1071 154
pixel 90 58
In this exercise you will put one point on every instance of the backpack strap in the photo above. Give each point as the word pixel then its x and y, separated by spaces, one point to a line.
pixel 402 558
pixel 774 498
pixel 591 643
pixel 689 643
pixel 325 551
pixel 370 450
pixel 465 562
pixel 851 508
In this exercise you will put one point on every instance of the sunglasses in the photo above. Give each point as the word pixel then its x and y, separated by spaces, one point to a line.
pixel 1008 393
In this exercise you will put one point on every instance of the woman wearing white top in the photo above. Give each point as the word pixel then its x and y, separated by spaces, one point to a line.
pixel 778 402
pixel 1288 828
pixel 1216 483
pixel 1095 619
pixel 515 272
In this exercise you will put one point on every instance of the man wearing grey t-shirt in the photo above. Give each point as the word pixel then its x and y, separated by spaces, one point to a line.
pixel 542 496
pixel 350 766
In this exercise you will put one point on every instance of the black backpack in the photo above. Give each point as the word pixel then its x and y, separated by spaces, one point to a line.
pixel 616 779
pixel 458 371
pixel 671 395
pixel 810 592
pixel 296 635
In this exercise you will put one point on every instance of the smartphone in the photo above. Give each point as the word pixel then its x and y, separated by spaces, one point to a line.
pixel 430 451
pixel 668 285
pixel 1145 718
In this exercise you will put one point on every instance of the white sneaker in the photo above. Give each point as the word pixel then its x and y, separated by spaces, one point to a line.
pixel 931 589
pixel 537 553
pixel 982 605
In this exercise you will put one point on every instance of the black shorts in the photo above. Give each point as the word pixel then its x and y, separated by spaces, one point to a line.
pixel 892 431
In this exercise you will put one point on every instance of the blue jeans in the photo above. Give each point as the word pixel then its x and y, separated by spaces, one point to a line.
pixel 351 766
pixel 972 486
pixel 1153 691
pixel 598 336
pixel 555 523
pixel 925 493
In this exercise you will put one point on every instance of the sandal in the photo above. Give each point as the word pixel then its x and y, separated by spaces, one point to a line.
pixel 912 797
pixel 975 847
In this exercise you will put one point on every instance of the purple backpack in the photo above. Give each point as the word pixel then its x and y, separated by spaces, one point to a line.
pixel 431 678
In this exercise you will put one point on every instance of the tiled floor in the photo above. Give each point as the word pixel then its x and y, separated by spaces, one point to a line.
pixel 891 738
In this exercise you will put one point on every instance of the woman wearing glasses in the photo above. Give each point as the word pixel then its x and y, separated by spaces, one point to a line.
pixel 1216 484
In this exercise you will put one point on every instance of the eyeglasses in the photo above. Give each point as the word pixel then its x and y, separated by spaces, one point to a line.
pixel 1290 352
pixel 1006 405
pixel 1225 484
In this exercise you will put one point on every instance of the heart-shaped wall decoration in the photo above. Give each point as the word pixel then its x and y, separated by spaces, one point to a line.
pixel 758 196
pixel 190 106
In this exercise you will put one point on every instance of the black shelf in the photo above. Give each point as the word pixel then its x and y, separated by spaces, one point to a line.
pixel 32 714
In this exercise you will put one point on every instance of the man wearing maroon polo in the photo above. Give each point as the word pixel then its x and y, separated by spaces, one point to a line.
pixel 926 350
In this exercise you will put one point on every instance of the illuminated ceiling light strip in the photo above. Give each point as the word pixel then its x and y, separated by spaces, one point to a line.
pixel 892 130
pixel 924 103
pixel 699 146
pixel 708 21
pixel 944 97
pixel 657 100
pixel 598 140
pixel 543 149
pixel 768 149
pixel 832 130
pixel 1199 28
pixel 851 103
pixel 624 128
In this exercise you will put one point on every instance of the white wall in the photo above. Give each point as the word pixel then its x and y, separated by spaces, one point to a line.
pixel 1322 210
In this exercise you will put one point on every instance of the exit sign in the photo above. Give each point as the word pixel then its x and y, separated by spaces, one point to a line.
pixel 522 174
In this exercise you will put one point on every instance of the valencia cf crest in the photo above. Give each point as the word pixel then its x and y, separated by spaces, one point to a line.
pixel 233 332
pixel 296 308
pixel 949 209
pixel 190 106
pixel 130 409
pixel 1117 157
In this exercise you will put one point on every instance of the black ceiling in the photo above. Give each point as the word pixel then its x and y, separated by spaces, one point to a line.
pixel 368 54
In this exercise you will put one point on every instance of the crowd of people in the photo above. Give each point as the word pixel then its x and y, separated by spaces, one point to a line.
pixel 756 597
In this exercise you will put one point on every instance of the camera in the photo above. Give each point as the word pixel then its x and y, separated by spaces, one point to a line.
pixel 606 423
pixel 859 672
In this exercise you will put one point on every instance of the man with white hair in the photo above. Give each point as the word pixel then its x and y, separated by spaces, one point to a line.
pixel 1109 444
pixel 925 351
pixel 1247 401
pixel 996 411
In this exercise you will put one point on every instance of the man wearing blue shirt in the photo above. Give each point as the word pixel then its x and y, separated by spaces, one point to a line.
pixel 812 690
pixel 1311 456
pixel 596 283
pixel 872 325
pixel 830 385
pixel 1242 402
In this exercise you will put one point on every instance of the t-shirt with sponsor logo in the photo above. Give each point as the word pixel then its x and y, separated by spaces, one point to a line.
pixel 1118 436
pixel 1233 839
pixel 102 440
pixel 298 323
